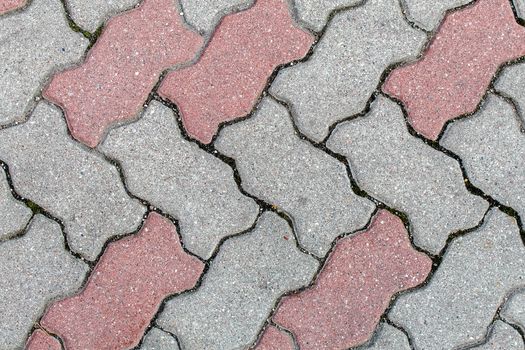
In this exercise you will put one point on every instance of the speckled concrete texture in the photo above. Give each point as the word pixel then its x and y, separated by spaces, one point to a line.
pixel 157 339
pixel 428 13
pixel 205 15
pixel 387 338
pixel 41 340
pixel 92 14
pixel 502 337
pixel 514 310
pixel 14 215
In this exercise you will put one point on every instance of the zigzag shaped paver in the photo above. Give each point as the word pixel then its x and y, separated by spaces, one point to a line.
pixel 232 72
pixel 429 13
pixel 90 15
pixel 14 216
pixel 122 68
pixel 456 70
pixel 205 15
pixel 315 12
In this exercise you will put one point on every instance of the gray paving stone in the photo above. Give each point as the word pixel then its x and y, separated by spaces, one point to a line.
pixel 315 12
pixel 388 338
pixel 14 215
pixel 458 304
pixel 520 8
pixel 204 15
pixel 502 337
pixel 157 339
pixel 405 173
pixel 493 150
pixel 511 83
pixel 514 311
pixel 429 13
pixel 177 176
pixel 238 292
pixel 76 185
pixel 90 15
pixel 34 270
pixel 347 64
pixel 33 44
pixel 279 167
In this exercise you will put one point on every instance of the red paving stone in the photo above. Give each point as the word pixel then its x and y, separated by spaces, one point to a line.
pixel 233 71
pixel 455 72
pixel 122 68
pixel 125 289
pixel 274 339
pixel 40 340
pixel 355 287
pixel 10 5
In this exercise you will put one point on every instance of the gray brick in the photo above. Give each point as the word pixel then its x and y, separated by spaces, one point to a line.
pixel 514 310
pixel 157 339
pixel 520 8
pixel 204 15
pixel 33 44
pixel 89 15
pixel 502 337
pixel 429 13
pixel 315 12
pixel 347 64
pixel 405 173
pixel 279 167
pixel 511 83
pixel 35 269
pixel 14 215
pixel 177 176
pixel 477 272
pixel 388 338
pixel 76 185
pixel 240 289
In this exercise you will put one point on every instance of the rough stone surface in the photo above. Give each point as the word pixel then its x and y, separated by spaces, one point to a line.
pixel 77 186
pixel 457 68
pixel 204 15
pixel 125 289
pixel 238 292
pixel 514 310
pixel 388 338
pixel 404 172
pixel 90 15
pixel 122 68
pixel 315 12
pixel 428 13
pixel 157 339
pixel 181 179
pixel 492 149
pixel 354 287
pixel 502 337
pixel 34 270
pixel 10 5
pixel 346 65
pixel 33 43
pixel 279 167
pixel 40 340
pixel 511 83
pixel 273 339
pixel 227 81
pixel 520 8
pixel 490 261
pixel 14 215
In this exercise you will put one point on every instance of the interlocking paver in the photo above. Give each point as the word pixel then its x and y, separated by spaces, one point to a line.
pixel 511 83
pixel 14 216
pixel 90 15
pixel 233 70
pixel 33 43
pixel 122 68
pixel 77 186
pixel 273 338
pixel 238 292
pixel 315 12
pixel 205 15
pixel 180 178
pixel 458 304
pixel 388 338
pixel 279 167
pixel 428 13
pixel 514 310
pixel 502 337
pixel 455 72
pixel 404 172
pixel 520 8
pixel 10 5
pixel 346 65
pixel 354 287
pixel 125 289
pixel 492 149
pixel 34 270
pixel 40 340
pixel 157 339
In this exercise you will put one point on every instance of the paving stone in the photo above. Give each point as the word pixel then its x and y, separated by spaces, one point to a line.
pixel 75 185
pixel 492 148
pixel 346 65
pixel 511 83
pixel 315 12
pixel 157 339
pixel 428 13
pixel 240 289
pixel 273 338
pixel 125 289
pixel 205 15
pixel 520 8
pixel 33 43
pixel 354 287
pixel 35 269
pixel 502 337
pixel 181 179
pixel 10 5
pixel 14 215
pixel 514 310
pixel 90 15
pixel 279 167
pixel 405 173
pixel 456 70
pixel 388 338
pixel 122 68
pixel 477 272
pixel 227 81
pixel 40 340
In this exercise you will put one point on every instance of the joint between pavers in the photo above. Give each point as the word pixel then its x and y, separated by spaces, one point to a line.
pixel 407 334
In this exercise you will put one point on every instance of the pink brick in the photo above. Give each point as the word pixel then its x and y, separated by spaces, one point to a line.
pixel 455 72
pixel 122 68
pixel 125 289
pixel 354 287
pixel 233 71
pixel 274 339
pixel 40 340
pixel 10 5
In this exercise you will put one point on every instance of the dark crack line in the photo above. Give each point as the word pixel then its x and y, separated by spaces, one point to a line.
pixel 519 20
pixel 402 330
pixel 515 106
